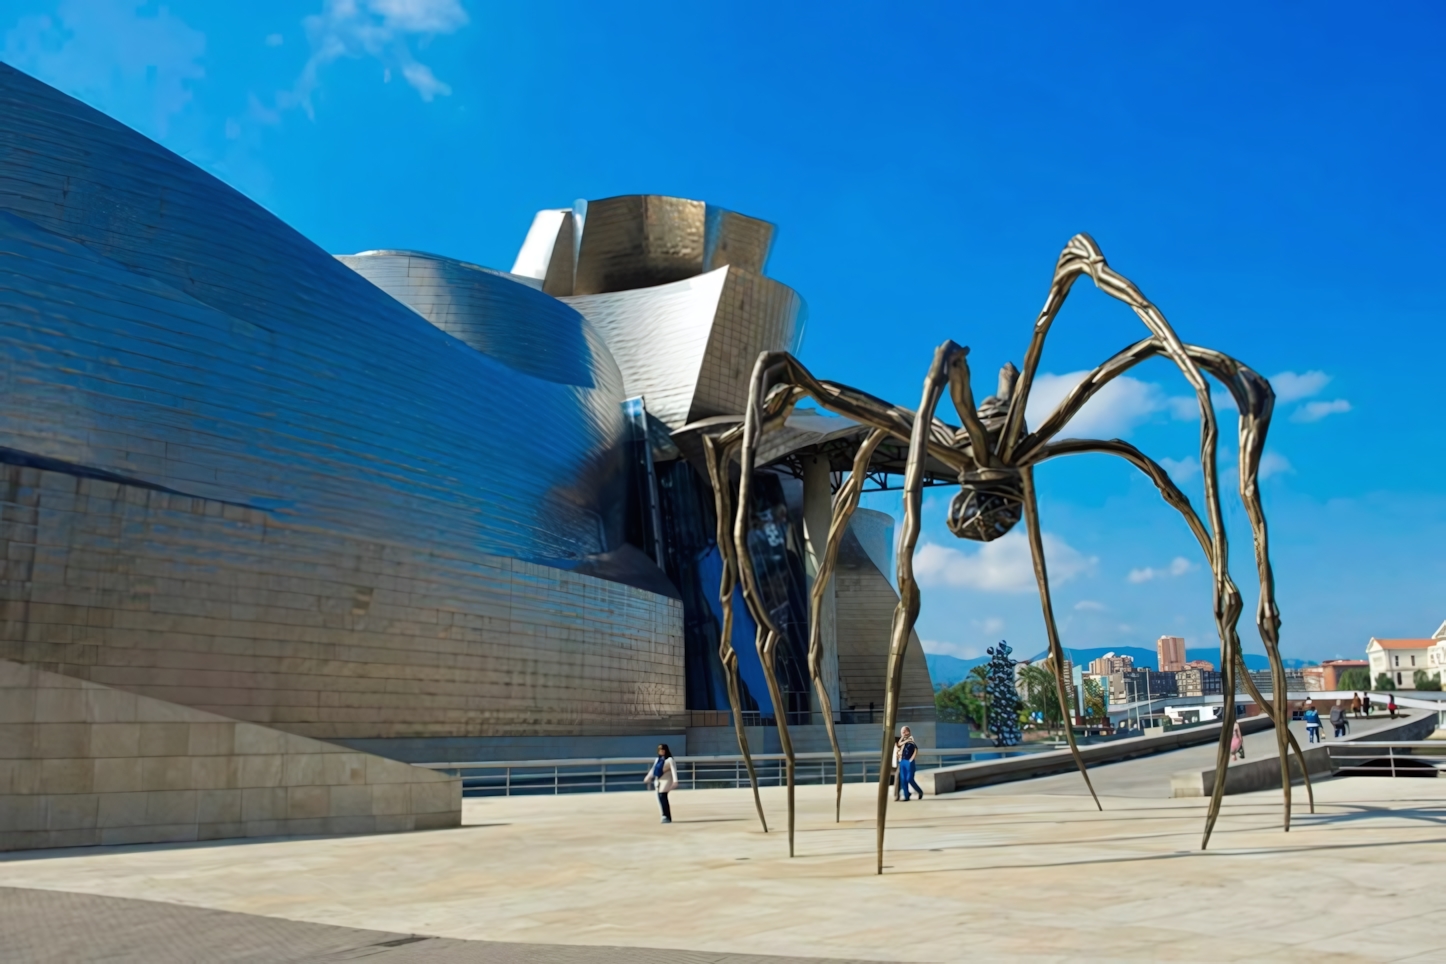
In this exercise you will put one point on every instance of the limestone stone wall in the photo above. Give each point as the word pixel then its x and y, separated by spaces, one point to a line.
pixel 83 764
pixel 865 605
pixel 228 609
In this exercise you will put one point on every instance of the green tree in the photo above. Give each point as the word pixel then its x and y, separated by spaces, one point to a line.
pixel 967 700
pixel 1426 681
pixel 1039 691
pixel 1384 682
pixel 1355 679
pixel 1095 705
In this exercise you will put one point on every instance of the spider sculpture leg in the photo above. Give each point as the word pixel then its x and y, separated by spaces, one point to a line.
pixel 767 643
pixel 990 463
pixel 1229 637
pixel 844 504
pixel 716 458
pixel 1255 400
pixel 1082 256
pixel 906 613
pixel 1056 651
pixel 768 632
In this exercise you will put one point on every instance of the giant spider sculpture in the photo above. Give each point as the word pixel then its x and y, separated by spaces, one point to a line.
pixel 994 454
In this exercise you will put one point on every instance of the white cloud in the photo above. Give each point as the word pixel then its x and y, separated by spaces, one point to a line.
pixel 1272 463
pixel 1290 387
pixel 1177 567
pixel 1090 606
pixel 137 66
pixel 989 625
pixel 958 650
pixel 1181 470
pixel 1113 411
pixel 381 29
pixel 1315 411
pixel 275 40
pixel 1000 566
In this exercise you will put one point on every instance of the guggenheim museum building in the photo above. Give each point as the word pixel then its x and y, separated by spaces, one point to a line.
pixel 393 500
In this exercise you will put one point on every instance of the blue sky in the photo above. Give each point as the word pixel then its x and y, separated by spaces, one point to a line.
pixel 1268 174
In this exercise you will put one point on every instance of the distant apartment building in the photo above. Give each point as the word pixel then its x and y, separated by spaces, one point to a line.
pixel 1294 681
pixel 1132 685
pixel 1204 664
pixel 1436 655
pixel 1399 659
pixel 1171 650
pixel 1109 664
pixel 1197 682
pixel 1327 676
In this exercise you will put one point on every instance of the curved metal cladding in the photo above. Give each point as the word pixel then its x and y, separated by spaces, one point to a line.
pixel 531 333
pixel 244 478
pixel 688 347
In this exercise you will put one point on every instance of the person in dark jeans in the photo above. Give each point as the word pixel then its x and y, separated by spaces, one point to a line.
pixel 908 757
pixel 663 775
pixel 1312 723
pixel 1338 719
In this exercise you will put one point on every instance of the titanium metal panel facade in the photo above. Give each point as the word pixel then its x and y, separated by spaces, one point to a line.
pixel 315 508
pixel 688 347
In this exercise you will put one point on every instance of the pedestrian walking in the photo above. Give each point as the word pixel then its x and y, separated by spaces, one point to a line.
pixel 908 757
pixel 1312 723
pixel 663 776
pixel 1338 719
pixel 1366 704
pixel 894 767
pixel 1356 705
pixel 1237 743
pixel 1391 704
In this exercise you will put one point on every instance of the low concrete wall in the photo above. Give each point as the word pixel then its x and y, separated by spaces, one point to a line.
pixel 986 772
pixel 1248 776
pixel 83 764
pixel 852 738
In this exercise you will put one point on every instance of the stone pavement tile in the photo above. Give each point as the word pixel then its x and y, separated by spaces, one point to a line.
pixel 65 928
pixel 1025 877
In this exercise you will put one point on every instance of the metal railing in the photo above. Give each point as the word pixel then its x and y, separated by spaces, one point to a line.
pixel 506 778
pixel 1400 757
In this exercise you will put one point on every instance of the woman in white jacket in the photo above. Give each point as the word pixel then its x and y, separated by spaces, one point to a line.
pixel 663 775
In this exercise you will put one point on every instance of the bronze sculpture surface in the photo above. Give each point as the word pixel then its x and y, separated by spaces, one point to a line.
pixel 993 455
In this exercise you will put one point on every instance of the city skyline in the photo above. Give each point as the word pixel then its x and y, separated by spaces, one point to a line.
pixel 1272 194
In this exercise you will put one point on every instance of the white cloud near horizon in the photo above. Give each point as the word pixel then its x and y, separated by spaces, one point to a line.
pixel 383 30
pixel 1177 567
pixel 1315 411
pixel 1181 470
pixel 1003 565
pixel 1090 606
pixel 1293 387
pixel 137 66
pixel 1112 412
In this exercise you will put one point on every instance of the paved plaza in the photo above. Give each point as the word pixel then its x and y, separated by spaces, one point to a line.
pixel 1007 874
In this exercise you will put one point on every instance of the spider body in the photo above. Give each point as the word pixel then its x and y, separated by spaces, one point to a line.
pixel 994 457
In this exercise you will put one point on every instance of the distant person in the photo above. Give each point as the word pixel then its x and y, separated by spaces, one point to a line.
pixel 1391 704
pixel 1366 704
pixel 1356 705
pixel 908 757
pixel 1237 743
pixel 663 775
pixel 1312 722
pixel 1338 719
